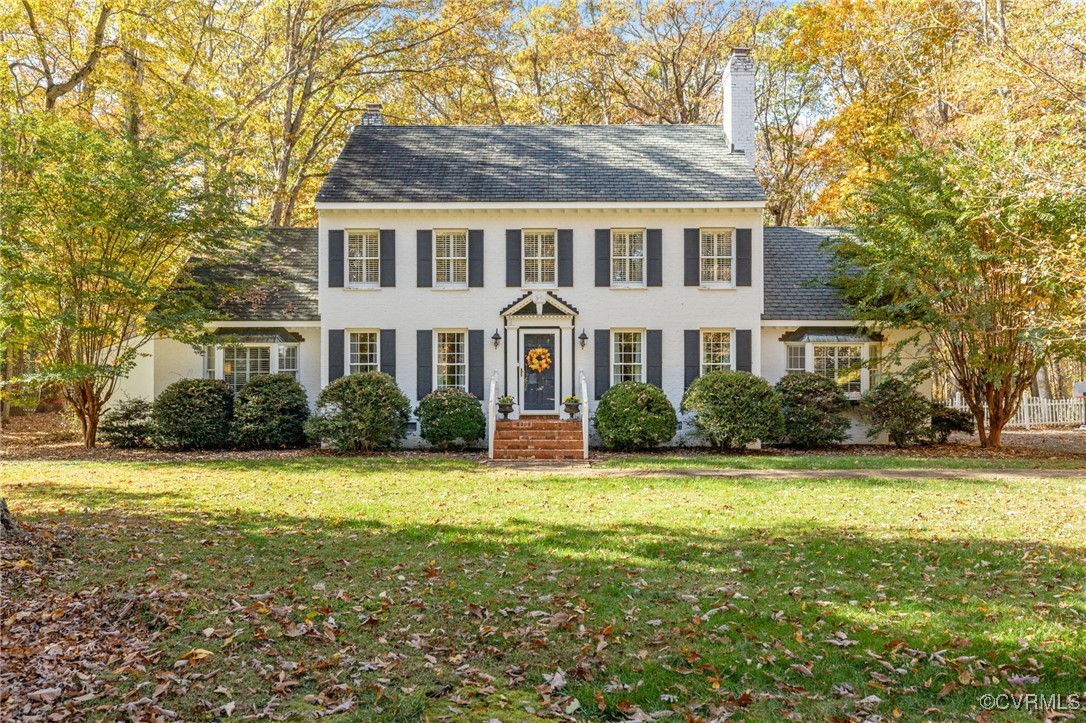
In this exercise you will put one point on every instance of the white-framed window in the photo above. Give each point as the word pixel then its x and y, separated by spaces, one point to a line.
pixel 627 257
pixel 628 355
pixel 242 363
pixel 362 352
pixel 451 359
pixel 716 350
pixel 717 257
pixel 540 257
pixel 209 362
pixel 288 360
pixel 451 258
pixel 842 363
pixel 236 364
pixel 363 258
pixel 796 360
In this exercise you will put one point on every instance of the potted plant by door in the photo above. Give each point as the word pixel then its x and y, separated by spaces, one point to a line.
pixel 572 405
pixel 505 405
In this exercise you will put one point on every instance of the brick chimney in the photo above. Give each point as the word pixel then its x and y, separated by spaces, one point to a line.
pixel 738 112
pixel 372 115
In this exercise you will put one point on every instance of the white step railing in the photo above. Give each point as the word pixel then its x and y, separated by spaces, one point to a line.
pixel 584 411
pixel 492 414
pixel 1036 412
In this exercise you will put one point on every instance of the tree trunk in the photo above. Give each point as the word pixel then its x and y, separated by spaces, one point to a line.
pixel 8 526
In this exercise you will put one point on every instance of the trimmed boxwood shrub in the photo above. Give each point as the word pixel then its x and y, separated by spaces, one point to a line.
pixel 193 414
pixel 270 413
pixel 945 420
pixel 813 409
pixel 360 412
pixel 451 416
pixel 633 416
pixel 895 407
pixel 734 409
pixel 127 425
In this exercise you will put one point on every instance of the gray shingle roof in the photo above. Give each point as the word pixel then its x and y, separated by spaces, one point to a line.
pixel 796 270
pixel 273 278
pixel 621 163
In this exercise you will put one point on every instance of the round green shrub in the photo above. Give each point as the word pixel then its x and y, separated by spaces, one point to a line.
pixel 813 409
pixel 632 416
pixel 193 414
pixel 127 425
pixel 359 413
pixel 945 420
pixel 734 409
pixel 451 416
pixel 896 408
pixel 270 413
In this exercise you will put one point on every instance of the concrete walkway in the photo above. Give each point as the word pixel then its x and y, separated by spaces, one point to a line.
pixel 584 469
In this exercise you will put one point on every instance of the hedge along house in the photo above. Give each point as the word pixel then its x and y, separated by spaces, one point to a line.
pixel 444 255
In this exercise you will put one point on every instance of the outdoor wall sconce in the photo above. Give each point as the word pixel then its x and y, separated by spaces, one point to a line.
pixel 497 339
pixel 583 338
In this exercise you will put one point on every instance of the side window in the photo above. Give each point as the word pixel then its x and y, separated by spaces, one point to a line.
pixel 797 359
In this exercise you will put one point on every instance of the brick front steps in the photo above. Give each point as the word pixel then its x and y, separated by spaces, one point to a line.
pixel 537 438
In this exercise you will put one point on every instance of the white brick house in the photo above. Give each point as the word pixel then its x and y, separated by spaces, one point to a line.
pixel 444 254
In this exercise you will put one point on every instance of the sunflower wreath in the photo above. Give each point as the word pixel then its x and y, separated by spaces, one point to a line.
pixel 538 359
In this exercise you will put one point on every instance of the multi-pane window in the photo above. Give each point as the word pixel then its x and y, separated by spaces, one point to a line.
pixel 363 352
pixel 841 362
pixel 797 359
pixel 628 257
pixel 716 256
pixel 539 258
pixel 209 362
pixel 363 258
pixel 288 360
pixel 242 363
pixel 452 360
pixel 628 365
pixel 451 258
pixel 716 351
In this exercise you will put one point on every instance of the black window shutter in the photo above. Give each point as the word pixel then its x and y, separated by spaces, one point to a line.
pixel 475 363
pixel 691 355
pixel 742 257
pixel 335 258
pixel 654 357
pixel 512 257
pixel 335 354
pixel 388 352
pixel 565 257
pixel 603 361
pixel 424 350
pixel 388 257
pixel 692 257
pixel 425 257
pixel 743 362
pixel 654 240
pixel 475 258
pixel 603 257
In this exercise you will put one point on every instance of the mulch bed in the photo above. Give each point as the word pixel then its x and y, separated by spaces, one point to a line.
pixel 53 437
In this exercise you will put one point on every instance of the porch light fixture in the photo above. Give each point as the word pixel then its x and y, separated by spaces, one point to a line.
pixel 497 339
pixel 583 338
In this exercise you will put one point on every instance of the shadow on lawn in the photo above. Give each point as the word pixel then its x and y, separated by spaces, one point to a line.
pixel 611 605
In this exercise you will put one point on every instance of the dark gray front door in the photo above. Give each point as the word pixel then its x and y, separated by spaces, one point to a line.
pixel 539 386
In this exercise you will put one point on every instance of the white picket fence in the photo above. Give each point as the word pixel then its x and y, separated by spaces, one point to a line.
pixel 1039 412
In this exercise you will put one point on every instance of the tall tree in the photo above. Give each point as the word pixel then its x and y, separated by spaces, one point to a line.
pixel 94 238
pixel 946 243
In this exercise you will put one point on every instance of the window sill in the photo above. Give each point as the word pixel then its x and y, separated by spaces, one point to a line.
pixel 374 287
pixel 718 287
pixel 450 288
pixel 628 287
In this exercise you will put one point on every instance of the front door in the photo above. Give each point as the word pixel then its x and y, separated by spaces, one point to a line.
pixel 539 362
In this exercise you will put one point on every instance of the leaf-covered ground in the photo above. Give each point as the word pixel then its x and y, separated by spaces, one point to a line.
pixel 410 589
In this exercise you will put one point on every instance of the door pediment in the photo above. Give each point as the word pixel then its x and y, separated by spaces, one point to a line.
pixel 539 304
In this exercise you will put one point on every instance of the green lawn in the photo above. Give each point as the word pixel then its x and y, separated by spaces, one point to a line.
pixel 404 589
pixel 831 461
